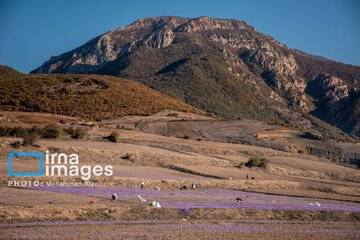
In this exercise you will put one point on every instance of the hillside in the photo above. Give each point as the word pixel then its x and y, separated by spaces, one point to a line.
pixel 86 96
pixel 225 67
pixel 9 72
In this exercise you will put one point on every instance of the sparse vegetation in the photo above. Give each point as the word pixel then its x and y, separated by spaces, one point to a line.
pixel 257 162
pixel 173 114
pixel 16 144
pixel 77 133
pixel 185 79
pixel 52 131
pixel 30 140
pixel 114 137
pixel 13 132
pixel 87 96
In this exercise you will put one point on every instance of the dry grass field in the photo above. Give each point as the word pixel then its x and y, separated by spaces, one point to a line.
pixel 278 200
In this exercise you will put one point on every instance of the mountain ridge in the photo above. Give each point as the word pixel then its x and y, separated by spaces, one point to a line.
pixel 224 67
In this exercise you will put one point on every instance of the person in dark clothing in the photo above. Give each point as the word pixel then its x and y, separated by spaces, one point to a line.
pixel 114 197
pixel 142 185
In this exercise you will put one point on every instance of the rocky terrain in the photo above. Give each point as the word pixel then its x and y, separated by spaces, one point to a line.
pixel 224 67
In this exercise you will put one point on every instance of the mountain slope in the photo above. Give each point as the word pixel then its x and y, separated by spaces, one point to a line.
pixel 87 96
pixel 221 66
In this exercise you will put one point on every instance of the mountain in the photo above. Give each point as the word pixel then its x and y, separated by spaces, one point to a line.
pixel 224 67
pixel 86 96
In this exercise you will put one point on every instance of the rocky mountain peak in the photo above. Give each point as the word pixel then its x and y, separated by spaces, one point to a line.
pixel 160 38
pixel 188 57
pixel 154 23
pixel 206 23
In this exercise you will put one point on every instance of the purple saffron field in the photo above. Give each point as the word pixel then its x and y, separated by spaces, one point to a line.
pixel 209 198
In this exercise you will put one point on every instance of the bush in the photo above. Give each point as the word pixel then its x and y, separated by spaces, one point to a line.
pixel 4 131
pixel 52 131
pixel 36 131
pixel 16 144
pixel 77 133
pixel 187 137
pixel 173 114
pixel 114 137
pixel 18 131
pixel 257 162
pixel 30 140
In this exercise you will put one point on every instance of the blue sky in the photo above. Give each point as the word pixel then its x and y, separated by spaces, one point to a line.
pixel 33 30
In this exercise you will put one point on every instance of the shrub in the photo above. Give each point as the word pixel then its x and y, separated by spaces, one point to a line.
pixel 77 133
pixel 187 137
pixel 13 131
pixel 257 162
pixel 18 132
pixel 52 131
pixel 35 130
pixel 114 137
pixel 15 144
pixel 30 140
pixel 174 114
pixel 5 131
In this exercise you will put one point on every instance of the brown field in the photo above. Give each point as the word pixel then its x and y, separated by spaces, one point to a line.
pixel 169 161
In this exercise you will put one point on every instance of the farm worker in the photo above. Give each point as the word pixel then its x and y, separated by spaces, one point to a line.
pixel 114 197
pixel 153 203
pixel 238 200
pixel 193 186
pixel 142 185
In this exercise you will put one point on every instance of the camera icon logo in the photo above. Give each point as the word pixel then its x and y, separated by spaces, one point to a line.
pixel 38 155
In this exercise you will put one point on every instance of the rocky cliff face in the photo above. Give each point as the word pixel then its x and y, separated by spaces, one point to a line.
pixel 201 59
pixel 334 90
